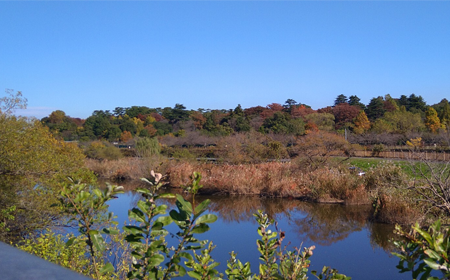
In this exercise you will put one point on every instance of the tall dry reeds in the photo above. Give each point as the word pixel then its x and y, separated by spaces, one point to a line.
pixel 384 186
pixel 126 168
pixel 274 179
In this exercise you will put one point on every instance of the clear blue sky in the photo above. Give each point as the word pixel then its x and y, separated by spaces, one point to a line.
pixel 84 56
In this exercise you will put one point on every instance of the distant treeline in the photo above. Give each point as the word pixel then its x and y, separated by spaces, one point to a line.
pixel 391 120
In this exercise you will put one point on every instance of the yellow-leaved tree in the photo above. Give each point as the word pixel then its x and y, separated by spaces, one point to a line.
pixel 33 166
pixel 432 121
pixel 362 123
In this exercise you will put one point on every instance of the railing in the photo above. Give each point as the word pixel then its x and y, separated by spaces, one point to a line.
pixel 19 265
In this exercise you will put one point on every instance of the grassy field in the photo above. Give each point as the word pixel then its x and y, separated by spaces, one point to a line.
pixel 411 168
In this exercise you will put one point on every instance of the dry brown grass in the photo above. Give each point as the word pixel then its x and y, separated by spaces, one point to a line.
pixel 274 179
pixel 398 209
pixel 270 179
pixel 126 168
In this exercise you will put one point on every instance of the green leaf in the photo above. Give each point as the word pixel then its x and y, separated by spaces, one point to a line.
pixel 197 247
pixel 194 274
pixel 166 195
pixel 161 209
pixel 201 228
pixel 181 270
pixel 133 229
pixel 110 231
pixel 158 232
pixel 178 216
pixel 432 254
pixel 424 234
pixel 206 219
pixel 107 268
pixel 70 241
pixel 183 204
pixel 97 240
pixel 134 238
pixel 165 220
pixel 97 192
pixel 155 260
pixel 144 191
pixel 202 207
pixel 186 255
pixel 136 215
pixel 432 263
pixel 143 206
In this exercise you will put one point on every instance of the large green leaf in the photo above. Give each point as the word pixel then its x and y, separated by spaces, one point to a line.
pixel 133 229
pixel 70 241
pixel 202 207
pixel 183 204
pixel 181 217
pixel 201 228
pixel 110 231
pixel 186 255
pixel 134 238
pixel 155 260
pixel 433 264
pixel 432 254
pixel 107 268
pixel 206 219
pixel 158 232
pixel 165 220
pixel 166 195
pixel 161 209
pixel 97 240
pixel 143 206
pixel 144 191
pixel 136 215
pixel 194 274
pixel 97 192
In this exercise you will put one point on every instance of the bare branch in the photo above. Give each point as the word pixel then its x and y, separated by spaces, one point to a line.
pixel 12 101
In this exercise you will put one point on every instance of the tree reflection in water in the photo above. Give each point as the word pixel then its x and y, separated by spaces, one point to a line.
pixel 326 224
pixel 322 224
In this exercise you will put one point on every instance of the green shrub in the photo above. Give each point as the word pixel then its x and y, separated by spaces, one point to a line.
pixel 424 251
pixel 146 147
pixel 102 150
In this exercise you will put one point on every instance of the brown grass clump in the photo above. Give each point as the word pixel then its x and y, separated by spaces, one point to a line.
pixel 126 168
pixel 337 186
pixel 273 179
pixel 396 208
pixel 268 179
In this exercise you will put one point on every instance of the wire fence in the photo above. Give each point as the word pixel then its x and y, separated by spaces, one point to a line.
pixel 427 153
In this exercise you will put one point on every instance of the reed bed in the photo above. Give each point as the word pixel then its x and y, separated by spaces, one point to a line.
pixel 381 186
pixel 275 179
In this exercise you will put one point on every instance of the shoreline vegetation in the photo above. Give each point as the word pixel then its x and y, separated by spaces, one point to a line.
pixel 385 184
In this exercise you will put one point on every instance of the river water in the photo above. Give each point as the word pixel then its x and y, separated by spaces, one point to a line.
pixel 343 236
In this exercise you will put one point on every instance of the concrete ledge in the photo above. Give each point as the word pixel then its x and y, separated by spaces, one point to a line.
pixel 17 265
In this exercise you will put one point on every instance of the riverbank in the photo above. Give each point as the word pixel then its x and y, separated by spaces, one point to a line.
pixel 384 186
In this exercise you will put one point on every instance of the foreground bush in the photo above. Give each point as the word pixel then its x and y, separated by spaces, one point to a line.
pixel 424 253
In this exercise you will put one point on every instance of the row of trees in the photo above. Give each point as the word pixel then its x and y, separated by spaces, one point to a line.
pixel 382 115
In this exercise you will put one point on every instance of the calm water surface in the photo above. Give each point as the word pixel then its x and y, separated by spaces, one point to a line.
pixel 343 237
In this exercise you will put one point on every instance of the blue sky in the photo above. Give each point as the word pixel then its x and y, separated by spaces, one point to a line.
pixel 84 56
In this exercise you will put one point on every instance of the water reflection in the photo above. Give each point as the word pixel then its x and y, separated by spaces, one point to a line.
pixel 325 224
pixel 320 224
